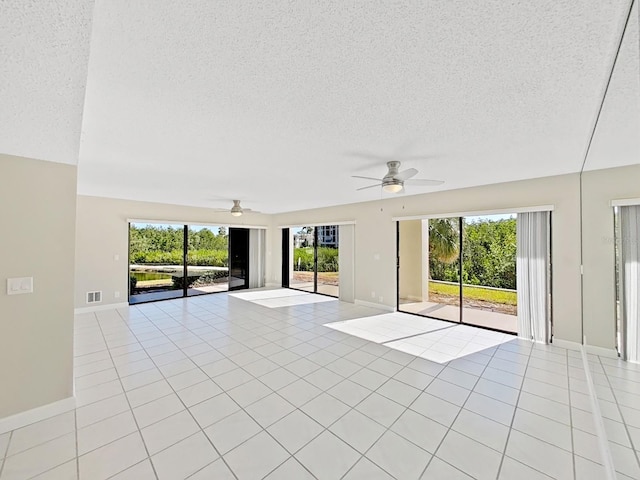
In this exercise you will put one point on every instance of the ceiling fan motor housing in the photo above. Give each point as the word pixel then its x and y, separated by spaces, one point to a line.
pixel 389 179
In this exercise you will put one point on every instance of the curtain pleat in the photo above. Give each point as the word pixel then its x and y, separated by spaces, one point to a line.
pixel 256 257
pixel 532 270
pixel 630 279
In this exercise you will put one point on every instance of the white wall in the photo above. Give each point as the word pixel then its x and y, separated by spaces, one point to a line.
pixel 102 234
pixel 37 222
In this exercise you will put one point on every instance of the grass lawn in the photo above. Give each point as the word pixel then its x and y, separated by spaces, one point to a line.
pixel 475 293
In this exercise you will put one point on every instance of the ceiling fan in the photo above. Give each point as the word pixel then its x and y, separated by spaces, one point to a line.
pixel 394 181
pixel 236 209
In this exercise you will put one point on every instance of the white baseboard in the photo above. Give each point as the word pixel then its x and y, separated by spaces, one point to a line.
pixel 379 306
pixel 28 417
pixel 97 308
pixel 413 298
pixel 600 351
pixel 566 344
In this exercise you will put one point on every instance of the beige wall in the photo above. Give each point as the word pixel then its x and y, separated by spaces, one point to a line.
pixel 102 235
pixel 37 222
pixel 376 240
pixel 599 188
pixel 411 260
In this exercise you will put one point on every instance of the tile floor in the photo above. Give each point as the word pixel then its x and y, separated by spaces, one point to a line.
pixel 435 340
pixel 217 387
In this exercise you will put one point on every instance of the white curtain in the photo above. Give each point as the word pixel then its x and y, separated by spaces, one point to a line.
pixel 630 279
pixel 257 238
pixel 532 267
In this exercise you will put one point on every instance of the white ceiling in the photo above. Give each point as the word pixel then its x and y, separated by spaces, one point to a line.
pixel 189 102
pixel 44 51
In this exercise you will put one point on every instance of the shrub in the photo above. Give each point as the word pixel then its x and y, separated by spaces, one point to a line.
pixel 209 258
pixel 303 259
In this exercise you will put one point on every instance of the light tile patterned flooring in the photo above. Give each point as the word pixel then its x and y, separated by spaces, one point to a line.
pixel 216 387
pixel 435 340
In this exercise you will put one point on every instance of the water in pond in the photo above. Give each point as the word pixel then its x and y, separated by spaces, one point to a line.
pixel 144 276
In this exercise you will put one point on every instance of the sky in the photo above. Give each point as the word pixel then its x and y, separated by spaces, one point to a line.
pixel 502 216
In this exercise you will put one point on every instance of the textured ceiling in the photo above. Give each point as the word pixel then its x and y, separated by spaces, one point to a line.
pixel 44 51
pixel 192 101
pixel 617 137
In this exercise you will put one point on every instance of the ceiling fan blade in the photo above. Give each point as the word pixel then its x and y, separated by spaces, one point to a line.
pixel 406 174
pixel 423 182
pixel 366 178
pixel 370 186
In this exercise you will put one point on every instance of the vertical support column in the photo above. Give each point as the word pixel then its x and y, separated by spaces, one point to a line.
pixel 425 260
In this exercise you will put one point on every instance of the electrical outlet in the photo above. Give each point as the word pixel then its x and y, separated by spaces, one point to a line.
pixel 380 299
pixel 373 294
pixel 116 294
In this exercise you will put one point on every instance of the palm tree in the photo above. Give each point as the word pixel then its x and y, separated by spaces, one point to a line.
pixel 444 239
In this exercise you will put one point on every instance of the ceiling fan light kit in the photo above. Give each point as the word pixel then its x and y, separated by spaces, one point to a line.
pixel 392 187
pixel 236 210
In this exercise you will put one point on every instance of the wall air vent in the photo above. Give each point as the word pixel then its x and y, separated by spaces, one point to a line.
pixel 94 297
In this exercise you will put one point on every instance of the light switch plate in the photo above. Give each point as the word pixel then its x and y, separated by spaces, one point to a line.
pixel 17 286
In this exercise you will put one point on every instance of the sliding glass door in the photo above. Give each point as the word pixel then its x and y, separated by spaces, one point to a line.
pixel 304 259
pixel 489 272
pixel 313 257
pixel 156 262
pixel 327 249
pixel 459 269
pixel 172 260
pixel 207 259
pixel 238 258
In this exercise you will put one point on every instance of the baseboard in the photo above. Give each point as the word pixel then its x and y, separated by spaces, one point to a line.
pixel 413 298
pixel 28 417
pixel 601 351
pixel 97 308
pixel 566 344
pixel 273 285
pixel 592 349
pixel 379 306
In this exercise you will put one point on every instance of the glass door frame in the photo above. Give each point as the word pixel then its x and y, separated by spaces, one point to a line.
pixel 185 266
pixel 287 238
pixel 460 279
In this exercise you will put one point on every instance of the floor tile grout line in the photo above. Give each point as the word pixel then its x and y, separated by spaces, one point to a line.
pixel 513 417
pixel 414 335
pixel 4 455
pixel 386 429
pixel 77 459
pixel 299 408
pixel 624 423
pixel 603 445
pixel 135 420
pixel 186 408
pixel 312 329
pixel 573 449
pixel 264 429
pixel 449 428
